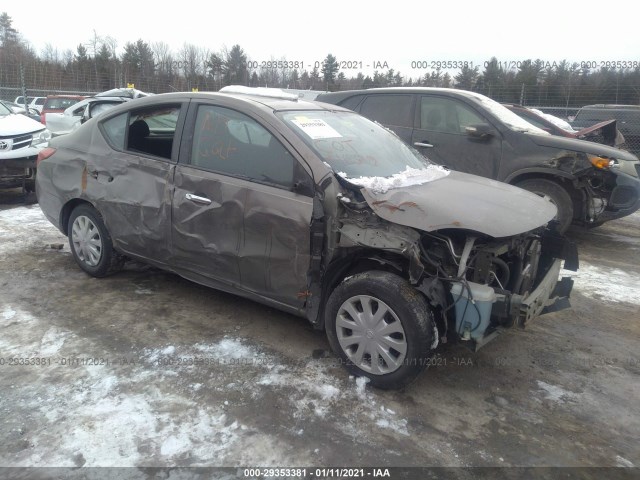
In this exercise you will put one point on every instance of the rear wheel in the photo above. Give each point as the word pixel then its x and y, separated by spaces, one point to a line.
pixel 91 243
pixel 556 194
pixel 381 327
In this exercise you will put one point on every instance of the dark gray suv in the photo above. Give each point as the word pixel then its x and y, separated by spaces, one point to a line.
pixel 588 182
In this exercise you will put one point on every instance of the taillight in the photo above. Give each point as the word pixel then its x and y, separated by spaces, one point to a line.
pixel 44 154
pixel 43 120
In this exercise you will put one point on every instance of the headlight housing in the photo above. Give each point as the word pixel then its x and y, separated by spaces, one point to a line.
pixel 41 137
pixel 602 163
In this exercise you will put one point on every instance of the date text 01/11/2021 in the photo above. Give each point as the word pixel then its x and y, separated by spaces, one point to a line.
pixel 324 472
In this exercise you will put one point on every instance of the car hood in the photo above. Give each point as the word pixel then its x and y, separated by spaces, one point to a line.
pixel 463 201
pixel 575 145
pixel 16 124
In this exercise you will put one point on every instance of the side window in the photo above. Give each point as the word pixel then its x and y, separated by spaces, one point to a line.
pixel 395 110
pixel 232 143
pixel 152 130
pixel 114 130
pixel 352 102
pixel 445 115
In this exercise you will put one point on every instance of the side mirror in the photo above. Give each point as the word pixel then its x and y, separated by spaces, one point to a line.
pixel 482 131
pixel 86 114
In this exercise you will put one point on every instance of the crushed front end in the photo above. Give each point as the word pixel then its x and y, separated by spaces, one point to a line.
pixel 490 284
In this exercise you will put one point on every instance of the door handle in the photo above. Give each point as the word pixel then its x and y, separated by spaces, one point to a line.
pixel 423 144
pixel 197 199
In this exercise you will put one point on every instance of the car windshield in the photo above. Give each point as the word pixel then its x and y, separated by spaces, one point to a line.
pixel 510 119
pixel 4 110
pixel 352 145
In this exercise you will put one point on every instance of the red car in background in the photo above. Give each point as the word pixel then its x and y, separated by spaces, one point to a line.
pixel 58 103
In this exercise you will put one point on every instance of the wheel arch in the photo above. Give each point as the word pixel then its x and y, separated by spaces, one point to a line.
pixel 564 179
pixel 353 263
pixel 65 213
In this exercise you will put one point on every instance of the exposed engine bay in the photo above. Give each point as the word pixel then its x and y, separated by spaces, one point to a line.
pixel 476 283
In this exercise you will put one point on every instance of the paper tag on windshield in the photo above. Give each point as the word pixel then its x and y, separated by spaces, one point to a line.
pixel 316 128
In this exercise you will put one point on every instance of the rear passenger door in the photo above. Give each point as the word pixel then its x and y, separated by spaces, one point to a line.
pixel 441 136
pixel 130 182
pixel 237 218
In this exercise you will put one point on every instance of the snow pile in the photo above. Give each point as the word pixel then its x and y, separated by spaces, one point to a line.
pixel 26 227
pixel 407 178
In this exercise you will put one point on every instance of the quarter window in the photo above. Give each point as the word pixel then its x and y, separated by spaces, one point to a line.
pixel 114 130
pixel 232 143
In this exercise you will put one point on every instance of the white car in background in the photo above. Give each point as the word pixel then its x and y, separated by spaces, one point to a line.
pixel 74 116
pixel 21 140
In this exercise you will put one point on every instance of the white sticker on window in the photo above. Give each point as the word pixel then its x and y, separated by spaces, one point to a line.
pixel 316 129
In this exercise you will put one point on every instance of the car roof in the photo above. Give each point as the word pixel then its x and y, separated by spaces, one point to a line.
pixel 261 102
pixel 452 91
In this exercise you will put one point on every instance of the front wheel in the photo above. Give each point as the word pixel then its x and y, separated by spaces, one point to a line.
pixel 91 243
pixel 381 327
pixel 556 194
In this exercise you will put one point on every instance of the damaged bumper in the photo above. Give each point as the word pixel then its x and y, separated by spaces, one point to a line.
pixel 481 311
pixel 623 200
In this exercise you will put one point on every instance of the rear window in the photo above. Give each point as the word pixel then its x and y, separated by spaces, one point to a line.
pixel 40 101
pixel 60 103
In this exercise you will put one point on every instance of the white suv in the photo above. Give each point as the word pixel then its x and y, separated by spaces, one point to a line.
pixel 21 139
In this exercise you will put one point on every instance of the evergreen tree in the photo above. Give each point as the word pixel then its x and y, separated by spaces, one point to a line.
pixel 329 70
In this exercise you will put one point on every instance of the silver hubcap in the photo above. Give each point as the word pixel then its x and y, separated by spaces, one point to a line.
pixel 371 335
pixel 86 239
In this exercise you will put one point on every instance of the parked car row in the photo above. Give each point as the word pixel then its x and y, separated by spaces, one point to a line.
pixel 68 120
pixel 22 138
pixel 33 102
pixel 314 210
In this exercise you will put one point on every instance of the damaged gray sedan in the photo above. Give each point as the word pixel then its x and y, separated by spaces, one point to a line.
pixel 313 210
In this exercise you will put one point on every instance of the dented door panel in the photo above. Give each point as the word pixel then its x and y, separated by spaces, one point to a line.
pixel 207 225
pixel 275 253
pixel 133 195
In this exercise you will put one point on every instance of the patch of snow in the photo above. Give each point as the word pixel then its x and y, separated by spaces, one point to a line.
pixel 8 313
pixel 228 348
pixel 410 176
pixel 609 285
pixel 170 350
pixel 623 462
pixel 555 393
pixel 361 383
pixel 52 341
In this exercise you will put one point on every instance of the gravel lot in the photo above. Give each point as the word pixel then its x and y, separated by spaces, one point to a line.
pixel 147 369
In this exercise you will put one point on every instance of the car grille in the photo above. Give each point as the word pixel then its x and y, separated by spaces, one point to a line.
pixel 21 141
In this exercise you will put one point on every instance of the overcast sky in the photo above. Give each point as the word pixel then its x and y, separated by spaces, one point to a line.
pixel 392 32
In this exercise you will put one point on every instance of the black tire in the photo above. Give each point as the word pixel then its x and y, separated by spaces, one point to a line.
pixel 405 304
pixel 556 194
pixel 107 260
